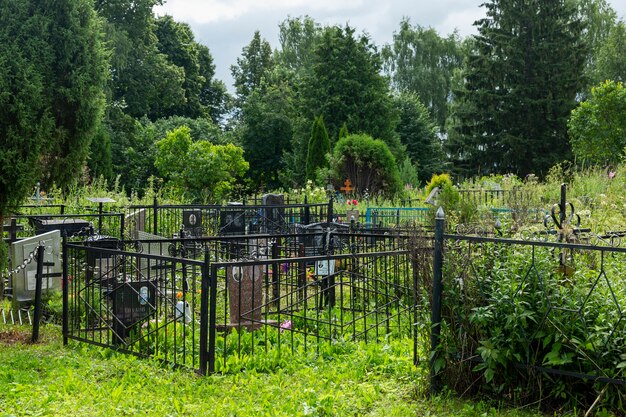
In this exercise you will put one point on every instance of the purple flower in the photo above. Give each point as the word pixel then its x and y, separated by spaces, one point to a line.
pixel 286 325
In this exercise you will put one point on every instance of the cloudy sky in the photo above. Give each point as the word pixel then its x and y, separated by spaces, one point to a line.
pixel 226 26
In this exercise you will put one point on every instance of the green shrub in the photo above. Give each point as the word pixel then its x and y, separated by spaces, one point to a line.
pixel 368 163
pixel 438 180
pixel 507 306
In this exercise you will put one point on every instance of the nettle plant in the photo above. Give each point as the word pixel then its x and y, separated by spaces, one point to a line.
pixel 510 309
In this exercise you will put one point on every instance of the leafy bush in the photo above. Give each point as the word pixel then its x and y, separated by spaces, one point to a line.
pixel 511 306
pixel 202 170
pixel 438 180
pixel 367 162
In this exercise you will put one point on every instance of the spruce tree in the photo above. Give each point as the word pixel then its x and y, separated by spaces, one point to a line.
pixel 319 146
pixel 520 86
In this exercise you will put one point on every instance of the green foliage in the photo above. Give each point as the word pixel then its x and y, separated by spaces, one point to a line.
pixel 297 37
pixel 351 379
pixel 438 180
pixel 76 75
pixel 610 61
pixel 368 163
pixel 318 148
pixel 421 62
pixel 203 171
pixel 600 21
pixel 408 173
pixel 252 67
pixel 26 121
pixel 343 132
pixel 419 135
pixel 597 127
pixel 202 95
pixel 144 82
pixel 100 160
pixel 345 86
pixel 520 85
pixel 520 307
pixel 266 133
pixel 51 93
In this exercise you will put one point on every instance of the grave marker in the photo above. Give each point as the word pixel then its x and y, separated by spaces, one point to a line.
pixel 347 186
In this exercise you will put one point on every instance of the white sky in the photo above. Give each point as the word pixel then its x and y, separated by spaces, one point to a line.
pixel 226 26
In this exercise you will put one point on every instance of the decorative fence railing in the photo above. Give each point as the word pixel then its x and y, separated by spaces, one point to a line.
pixel 536 318
pixel 244 295
pixel 167 220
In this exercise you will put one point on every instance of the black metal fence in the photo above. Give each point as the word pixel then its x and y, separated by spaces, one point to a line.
pixel 226 303
pixel 544 320
pixel 134 302
pixel 214 220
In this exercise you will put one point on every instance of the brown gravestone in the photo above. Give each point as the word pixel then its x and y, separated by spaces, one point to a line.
pixel 245 288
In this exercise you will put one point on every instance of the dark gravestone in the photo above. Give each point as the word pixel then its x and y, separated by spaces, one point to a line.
pixel 133 302
pixel 313 239
pixel 273 213
pixel 192 221
pixel 232 220
pixel 136 222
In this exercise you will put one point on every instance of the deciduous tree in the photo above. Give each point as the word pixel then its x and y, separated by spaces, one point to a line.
pixel 597 127
pixel 367 162
pixel 200 170
pixel 422 62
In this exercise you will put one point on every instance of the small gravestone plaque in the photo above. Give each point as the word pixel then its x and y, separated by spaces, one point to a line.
pixel 325 267
pixel 352 215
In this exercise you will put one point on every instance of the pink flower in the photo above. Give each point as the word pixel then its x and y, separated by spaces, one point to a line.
pixel 612 174
pixel 286 325
pixel 355 202
pixel 349 202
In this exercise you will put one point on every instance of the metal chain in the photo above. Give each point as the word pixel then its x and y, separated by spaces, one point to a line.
pixel 8 273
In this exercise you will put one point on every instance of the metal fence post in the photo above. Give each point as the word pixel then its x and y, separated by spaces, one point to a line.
pixel 275 276
pixel 330 210
pixel 66 289
pixel 38 284
pixel 204 314
pixel 307 211
pixel 212 316
pixel 13 230
pixel 435 336
pixel 155 208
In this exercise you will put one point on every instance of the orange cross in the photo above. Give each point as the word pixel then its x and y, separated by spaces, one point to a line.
pixel 347 186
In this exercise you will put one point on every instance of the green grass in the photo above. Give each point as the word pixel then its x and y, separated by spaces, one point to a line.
pixel 47 379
